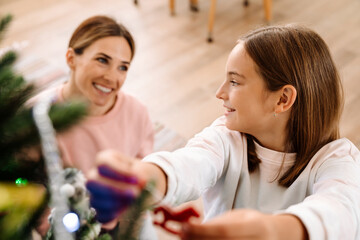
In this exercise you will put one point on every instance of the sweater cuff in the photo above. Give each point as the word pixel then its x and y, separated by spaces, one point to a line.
pixel 169 198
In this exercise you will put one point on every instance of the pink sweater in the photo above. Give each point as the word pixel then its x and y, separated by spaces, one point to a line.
pixel 126 128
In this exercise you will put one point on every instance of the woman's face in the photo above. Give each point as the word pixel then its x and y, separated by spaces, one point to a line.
pixel 249 106
pixel 100 71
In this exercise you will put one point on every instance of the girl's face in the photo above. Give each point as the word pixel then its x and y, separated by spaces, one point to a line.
pixel 249 106
pixel 100 71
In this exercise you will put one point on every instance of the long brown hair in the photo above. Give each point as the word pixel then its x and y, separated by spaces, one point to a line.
pixel 95 28
pixel 298 56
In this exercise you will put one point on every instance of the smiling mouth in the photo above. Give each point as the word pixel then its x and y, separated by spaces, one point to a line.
pixel 102 88
pixel 229 109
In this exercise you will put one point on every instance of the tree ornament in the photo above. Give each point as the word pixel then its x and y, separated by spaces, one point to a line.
pixel 181 216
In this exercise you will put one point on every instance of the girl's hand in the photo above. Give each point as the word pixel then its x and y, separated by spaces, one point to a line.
pixel 113 185
pixel 117 180
pixel 247 224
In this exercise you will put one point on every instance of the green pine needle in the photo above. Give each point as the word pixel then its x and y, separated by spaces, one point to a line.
pixel 8 59
pixel 6 77
pixel 64 115
pixel 14 103
pixel 104 237
pixel 20 130
pixel 129 228
pixel 9 82
pixel 4 23
pixel 16 168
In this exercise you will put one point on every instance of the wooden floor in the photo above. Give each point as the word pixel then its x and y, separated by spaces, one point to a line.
pixel 175 71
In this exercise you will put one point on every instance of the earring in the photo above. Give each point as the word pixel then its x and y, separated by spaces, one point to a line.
pixel 275 114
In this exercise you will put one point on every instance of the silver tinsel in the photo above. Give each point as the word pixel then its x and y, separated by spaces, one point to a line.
pixel 53 166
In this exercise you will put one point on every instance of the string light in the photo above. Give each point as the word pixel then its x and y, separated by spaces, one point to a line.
pixel 21 182
pixel 71 222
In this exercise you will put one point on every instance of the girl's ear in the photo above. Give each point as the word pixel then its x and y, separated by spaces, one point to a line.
pixel 286 98
pixel 70 58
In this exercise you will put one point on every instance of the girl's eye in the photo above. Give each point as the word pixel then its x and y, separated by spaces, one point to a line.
pixel 233 83
pixel 102 60
pixel 123 68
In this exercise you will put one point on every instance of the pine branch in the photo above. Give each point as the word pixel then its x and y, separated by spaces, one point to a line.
pixel 9 82
pixel 6 77
pixel 12 87
pixel 20 130
pixel 64 115
pixel 8 59
pixel 19 168
pixel 4 23
pixel 14 101
pixel 129 228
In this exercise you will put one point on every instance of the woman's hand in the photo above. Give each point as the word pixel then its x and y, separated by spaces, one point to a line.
pixel 117 180
pixel 247 224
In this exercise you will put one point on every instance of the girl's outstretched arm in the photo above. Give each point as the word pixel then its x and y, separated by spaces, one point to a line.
pixel 247 224
pixel 117 179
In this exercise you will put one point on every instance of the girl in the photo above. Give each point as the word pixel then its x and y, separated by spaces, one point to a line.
pixel 273 167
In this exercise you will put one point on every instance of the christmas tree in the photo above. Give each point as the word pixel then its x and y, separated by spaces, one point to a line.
pixel 23 178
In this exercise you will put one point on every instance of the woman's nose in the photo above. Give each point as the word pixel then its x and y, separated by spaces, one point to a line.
pixel 110 75
pixel 113 76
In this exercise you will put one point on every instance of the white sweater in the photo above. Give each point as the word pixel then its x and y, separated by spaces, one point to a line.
pixel 326 196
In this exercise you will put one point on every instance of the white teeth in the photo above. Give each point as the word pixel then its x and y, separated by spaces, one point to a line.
pixel 229 109
pixel 103 89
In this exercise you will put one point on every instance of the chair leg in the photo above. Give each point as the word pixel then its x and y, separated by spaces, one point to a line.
pixel 194 5
pixel 172 7
pixel 211 20
pixel 268 10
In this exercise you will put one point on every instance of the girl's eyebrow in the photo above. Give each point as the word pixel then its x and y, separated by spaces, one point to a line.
pixel 231 73
pixel 110 58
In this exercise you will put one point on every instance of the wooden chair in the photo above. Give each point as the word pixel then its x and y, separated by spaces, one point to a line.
pixel 194 7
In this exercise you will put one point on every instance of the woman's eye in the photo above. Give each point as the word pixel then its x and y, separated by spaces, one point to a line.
pixel 102 60
pixel 123 68
pixel 233 83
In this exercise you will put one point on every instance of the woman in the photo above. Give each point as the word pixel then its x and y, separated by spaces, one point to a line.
pixel 99 56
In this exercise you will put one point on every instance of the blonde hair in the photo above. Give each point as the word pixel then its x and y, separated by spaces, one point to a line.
pixel 95 28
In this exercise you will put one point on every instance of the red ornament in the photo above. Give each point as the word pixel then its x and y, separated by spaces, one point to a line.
pixel 181 216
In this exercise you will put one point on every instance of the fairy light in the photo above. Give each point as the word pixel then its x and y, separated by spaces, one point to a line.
pixel 71 222
pixel 21 182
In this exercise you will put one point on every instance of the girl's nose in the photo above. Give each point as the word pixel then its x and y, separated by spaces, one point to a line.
pixel 220 93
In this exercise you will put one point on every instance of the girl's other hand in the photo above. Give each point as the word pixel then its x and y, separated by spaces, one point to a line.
pixel 246 224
